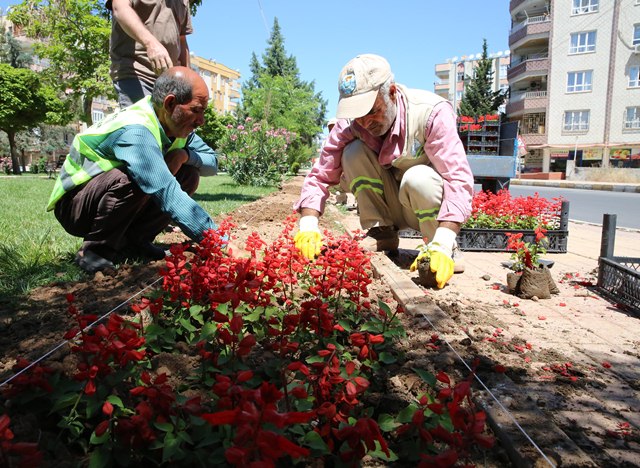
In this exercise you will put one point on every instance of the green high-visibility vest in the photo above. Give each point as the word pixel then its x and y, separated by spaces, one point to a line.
pixel 86 161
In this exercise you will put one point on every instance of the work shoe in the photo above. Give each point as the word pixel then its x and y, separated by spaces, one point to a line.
pixel 458 260
pixel 150 251
pixel 381 239
pixel 91 262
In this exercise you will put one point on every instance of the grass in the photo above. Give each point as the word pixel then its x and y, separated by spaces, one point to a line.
pixel 35 250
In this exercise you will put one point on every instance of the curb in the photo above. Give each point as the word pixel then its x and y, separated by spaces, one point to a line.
pixel 604 186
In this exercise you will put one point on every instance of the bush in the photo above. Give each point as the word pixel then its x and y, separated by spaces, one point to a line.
pixel 40 166
pixel 254 155
pixel 5 165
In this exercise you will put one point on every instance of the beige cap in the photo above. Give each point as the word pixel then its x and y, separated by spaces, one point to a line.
pixel 359 82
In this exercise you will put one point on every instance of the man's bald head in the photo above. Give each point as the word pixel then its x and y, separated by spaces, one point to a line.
pixel 182 82
pixel 180 97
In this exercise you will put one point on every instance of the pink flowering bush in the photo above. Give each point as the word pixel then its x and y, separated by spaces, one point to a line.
pixel 254 154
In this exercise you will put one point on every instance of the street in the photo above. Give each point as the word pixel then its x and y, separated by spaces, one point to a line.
pixel 590 205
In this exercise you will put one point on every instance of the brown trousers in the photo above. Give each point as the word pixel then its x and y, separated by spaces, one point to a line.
pixel 111 212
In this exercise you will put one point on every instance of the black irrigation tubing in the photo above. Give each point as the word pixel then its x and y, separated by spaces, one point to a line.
pixel 88 327
pixel 485 386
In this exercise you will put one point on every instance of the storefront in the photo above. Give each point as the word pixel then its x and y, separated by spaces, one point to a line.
pixel 624 157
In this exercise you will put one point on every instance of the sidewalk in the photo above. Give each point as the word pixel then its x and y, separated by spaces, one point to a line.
pixel 596 344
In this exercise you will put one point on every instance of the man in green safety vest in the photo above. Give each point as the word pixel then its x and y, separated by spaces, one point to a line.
pixel 127 176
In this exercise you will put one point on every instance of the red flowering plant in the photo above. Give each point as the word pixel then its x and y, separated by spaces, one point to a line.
pixel 502 211
pixel 281 358
pixel 526 254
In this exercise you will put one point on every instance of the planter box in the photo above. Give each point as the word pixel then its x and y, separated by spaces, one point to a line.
pixel 495 240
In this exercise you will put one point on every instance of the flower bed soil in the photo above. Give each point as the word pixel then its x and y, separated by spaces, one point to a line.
pixel 35 325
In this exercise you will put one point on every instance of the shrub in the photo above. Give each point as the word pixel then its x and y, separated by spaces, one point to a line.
pixel 5 165
pixel 254 155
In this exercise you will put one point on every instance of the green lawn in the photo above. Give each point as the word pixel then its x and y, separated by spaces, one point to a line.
pixel 35 250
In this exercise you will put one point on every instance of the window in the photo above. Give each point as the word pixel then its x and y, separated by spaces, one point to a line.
pixel 636 34
pixel 634 77
pixel 581 7
pixel 578 82
pixel 97 116
pixel 458 96
pixel 632 117
pixel 460 76
pixel 576 121
pixel 583 42
pixel 503 71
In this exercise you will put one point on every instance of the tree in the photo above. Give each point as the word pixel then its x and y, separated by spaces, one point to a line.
pixel 276 96
pixel 215 126
pixel 11 52
pixel 479 98
pixel 24 103
pixel 73 35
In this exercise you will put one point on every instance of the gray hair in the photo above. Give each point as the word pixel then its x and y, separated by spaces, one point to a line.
pixel 171 83
pixel 384 89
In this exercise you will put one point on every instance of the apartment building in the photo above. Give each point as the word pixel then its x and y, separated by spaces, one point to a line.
pixel 222 81
pixel 451 75
pixel 574 83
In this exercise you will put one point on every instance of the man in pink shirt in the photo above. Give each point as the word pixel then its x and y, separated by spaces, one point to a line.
pixel 401 155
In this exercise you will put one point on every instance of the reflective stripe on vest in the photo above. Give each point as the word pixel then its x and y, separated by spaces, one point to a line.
pixel 83 161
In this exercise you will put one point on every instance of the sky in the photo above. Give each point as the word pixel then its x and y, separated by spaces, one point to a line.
pixel 413 35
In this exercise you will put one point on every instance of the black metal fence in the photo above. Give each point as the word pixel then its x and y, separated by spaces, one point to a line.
pixel 618 277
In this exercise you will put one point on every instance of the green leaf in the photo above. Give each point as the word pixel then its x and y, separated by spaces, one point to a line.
pixel 346 324
pixel 406 414
pixel 95 440
pixel 426 376
pixel 171 448
pixel 386 308
pixel 314 442
pixel 371 327
pixel 164 427
pixel 186 324
pixel 101 457
pixel 378 453
pixel 254 316
pixel 64 402
pixel 386 358
pixel 208 330
pixel 387 423
pixel 115 401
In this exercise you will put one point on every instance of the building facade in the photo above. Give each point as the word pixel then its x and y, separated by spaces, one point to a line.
pixel 451 75
pixel 222 81
pixel 574 83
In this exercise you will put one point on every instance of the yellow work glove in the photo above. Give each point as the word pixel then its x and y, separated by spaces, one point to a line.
pixel 439 252
pixel 308 239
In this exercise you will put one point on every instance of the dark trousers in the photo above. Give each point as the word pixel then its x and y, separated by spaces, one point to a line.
pixel 111 212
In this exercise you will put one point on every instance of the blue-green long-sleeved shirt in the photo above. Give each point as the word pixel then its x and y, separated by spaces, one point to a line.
pixel 136 147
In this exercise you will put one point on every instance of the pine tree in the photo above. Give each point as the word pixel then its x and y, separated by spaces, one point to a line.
pixel 479 98
pixel 277 80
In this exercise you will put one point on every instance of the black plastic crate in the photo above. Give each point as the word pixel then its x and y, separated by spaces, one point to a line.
pixel 619 280
pixel 495 240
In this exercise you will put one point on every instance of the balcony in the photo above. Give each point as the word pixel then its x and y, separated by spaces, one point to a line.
pixel 531 65
pixel 442 85
pixel 530 101
pixel 533 28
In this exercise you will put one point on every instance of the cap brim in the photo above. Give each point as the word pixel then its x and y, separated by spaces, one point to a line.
pixel 356 106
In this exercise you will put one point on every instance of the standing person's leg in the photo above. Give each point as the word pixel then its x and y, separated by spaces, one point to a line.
pixel 101 212
pixel 131 90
